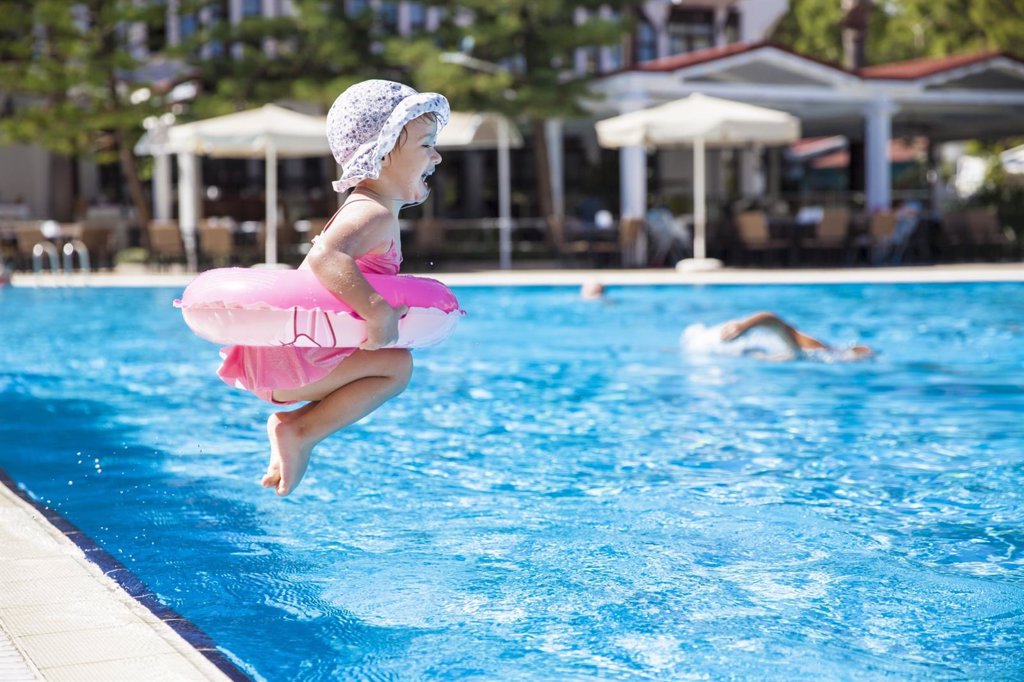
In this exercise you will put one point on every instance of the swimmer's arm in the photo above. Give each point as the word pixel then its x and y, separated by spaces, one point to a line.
pixel 333 260
pixel 771 322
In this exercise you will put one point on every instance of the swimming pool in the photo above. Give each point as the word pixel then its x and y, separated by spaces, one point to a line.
pixel 560 493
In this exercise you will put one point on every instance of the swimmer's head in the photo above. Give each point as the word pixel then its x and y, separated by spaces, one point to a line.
pixel 592 289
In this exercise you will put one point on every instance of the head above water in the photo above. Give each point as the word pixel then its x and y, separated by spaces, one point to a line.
pixel 365 123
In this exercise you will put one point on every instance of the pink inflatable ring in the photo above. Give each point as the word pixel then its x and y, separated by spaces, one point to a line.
pixel 257 307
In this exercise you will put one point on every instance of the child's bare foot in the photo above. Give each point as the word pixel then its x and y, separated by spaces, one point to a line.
pixel 288 456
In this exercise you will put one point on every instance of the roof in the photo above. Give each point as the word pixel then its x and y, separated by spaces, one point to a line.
pixel 928 66
pixel 906 70
pixel 710 54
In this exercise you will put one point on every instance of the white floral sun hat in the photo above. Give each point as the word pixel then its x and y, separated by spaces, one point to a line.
pixel 365 121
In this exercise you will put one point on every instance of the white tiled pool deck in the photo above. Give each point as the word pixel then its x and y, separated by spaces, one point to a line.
pixel 63 617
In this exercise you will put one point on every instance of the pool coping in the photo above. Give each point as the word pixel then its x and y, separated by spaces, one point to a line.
pixel 52 569
pixel 950 273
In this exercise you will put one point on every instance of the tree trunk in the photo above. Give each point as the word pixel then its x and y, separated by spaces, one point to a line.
pixel 130 171
pixel 543 168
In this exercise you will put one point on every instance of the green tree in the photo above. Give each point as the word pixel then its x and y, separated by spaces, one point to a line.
pixel 72 74
pixel 532 41
pixel 906 29
pixel 310 55
pixel 811 27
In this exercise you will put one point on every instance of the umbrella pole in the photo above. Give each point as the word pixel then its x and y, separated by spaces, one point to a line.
pixel 504 197
pixel 699 205
pixel 270 247
pixel 700 262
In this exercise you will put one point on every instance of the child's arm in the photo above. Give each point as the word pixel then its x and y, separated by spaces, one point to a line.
pixel 333 260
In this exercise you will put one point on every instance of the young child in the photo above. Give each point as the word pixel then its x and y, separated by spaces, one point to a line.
pixel 383 135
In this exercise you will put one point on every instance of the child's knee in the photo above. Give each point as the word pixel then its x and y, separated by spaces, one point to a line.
pixel 401 367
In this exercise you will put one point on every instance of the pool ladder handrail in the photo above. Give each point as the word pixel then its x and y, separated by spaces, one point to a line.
pixel 70 248
pixel 45 247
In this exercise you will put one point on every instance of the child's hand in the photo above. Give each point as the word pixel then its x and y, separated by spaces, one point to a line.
pixel 382 328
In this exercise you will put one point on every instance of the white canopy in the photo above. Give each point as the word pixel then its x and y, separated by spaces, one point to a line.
pixel 719 122
pixel 477 131
pixel 248 134
pixel 700 121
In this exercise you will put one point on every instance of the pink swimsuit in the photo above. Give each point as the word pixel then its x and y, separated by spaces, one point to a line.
pixel 263 369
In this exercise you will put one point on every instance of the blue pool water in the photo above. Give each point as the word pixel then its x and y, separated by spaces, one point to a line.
pixel 561 493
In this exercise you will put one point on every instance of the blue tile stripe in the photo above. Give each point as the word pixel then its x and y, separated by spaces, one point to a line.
pixel 131 584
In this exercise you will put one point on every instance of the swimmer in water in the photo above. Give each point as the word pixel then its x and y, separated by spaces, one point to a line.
pixel 592 290
pixel 798 343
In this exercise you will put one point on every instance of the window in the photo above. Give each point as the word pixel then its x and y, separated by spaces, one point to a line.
pixel 614 51
pixel 354 8
pixel 417 17
pixel 645 45
pixel 615 61
pixel 388 16
pixel 156 32
pixel 690 29
pixel 218 13
pixel 188 24
pixel 252 8
pixel 732 27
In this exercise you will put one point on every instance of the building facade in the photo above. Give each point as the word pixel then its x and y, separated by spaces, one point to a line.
pixel 33 181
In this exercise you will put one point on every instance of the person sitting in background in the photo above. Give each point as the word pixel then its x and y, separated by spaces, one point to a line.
pixel 766 336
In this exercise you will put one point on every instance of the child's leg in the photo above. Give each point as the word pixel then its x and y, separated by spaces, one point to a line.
pixel 356 387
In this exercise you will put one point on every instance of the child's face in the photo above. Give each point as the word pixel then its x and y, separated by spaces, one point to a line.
pixel 406 169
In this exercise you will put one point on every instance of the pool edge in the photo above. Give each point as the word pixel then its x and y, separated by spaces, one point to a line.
pixel 132 588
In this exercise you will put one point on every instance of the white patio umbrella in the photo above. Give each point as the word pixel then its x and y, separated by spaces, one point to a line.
pixel 700 121
pixel 270 132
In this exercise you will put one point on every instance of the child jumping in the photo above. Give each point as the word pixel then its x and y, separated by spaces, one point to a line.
pixel 383 135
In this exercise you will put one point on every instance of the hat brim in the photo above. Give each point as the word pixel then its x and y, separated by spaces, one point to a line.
pixel 365 163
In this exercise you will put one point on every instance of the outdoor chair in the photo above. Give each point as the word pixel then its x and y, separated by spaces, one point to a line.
pixel 216 242
pixel 755 236
pixel 98 239
pixel 985 235
pixel 165 245
pixel 877 243
pixel 831 233
pixel 27 234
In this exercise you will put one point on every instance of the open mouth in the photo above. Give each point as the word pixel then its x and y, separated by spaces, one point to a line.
pixel 426 175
